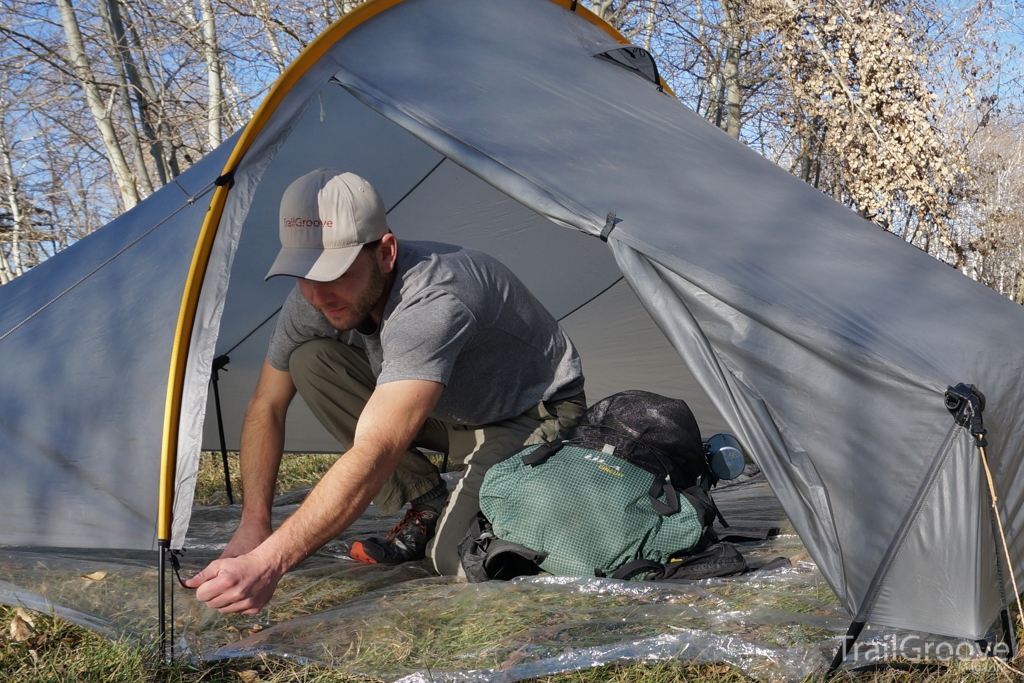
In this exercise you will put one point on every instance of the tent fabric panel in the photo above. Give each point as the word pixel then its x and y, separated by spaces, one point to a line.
pixel 622 348
pixel 562 268
pixel 788 468
pixel 84 379
pixel 805 409
pixel 210 305
pixel 952 533
pixel 558 209
pixel 794 251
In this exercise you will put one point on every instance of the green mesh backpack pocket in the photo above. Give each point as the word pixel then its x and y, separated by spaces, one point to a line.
pixel 588 510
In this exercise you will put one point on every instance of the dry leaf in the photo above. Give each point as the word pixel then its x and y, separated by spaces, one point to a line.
pixel 95 576
pixel 248 676
pixel 35 657
pixel 26 616
pixel 798 558
pixel 20 629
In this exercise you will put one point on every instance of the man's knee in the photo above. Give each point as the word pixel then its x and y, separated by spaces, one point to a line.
pixel 331 360
pixel 312 356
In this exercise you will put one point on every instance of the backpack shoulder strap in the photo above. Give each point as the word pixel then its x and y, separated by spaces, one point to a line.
pixel 540 455
pixel 671 504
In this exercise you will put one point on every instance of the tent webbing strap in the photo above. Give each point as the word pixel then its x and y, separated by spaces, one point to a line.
pixel 844 648
pixel 609 225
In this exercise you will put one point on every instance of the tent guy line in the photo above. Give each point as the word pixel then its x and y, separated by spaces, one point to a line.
pixel 593 298
pixel 92 272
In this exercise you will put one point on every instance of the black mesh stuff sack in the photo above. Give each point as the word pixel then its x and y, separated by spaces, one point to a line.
pixel 653 432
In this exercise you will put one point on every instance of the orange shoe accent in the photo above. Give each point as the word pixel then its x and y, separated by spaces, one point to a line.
pixel 359 555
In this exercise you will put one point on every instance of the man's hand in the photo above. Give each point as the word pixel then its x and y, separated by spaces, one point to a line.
pixel 392 416
pixel 238 584
pixel 247 537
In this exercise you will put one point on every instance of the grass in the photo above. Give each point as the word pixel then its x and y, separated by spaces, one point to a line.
pixel 450 624
pixel 298 471
pixel 54 651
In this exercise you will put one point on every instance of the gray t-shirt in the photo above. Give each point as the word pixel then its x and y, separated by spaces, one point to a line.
pixel 459 317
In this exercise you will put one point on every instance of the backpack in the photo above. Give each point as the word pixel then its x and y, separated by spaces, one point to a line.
pixel 625 496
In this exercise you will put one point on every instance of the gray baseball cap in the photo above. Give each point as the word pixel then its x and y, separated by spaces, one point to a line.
pixel 327 216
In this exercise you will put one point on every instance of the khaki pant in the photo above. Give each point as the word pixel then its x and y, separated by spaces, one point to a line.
pixel 335 381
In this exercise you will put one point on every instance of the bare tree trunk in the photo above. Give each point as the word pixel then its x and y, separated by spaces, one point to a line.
pixel 17 217
pixel 143 97
pixel 6 274
pixel 5 269
pixel 118 49
pixel 263 12
pixel 236 111
pixel 602 8
pixel 118 163
pixel 731 68
pixel 649 28
pixel 211 52
pixel 164 147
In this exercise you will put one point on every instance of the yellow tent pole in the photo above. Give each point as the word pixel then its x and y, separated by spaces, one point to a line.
pixel 204 245
pixel 200 258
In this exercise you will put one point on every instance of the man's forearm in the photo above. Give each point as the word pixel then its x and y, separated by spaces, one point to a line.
pixel 262 446
pixel 340 497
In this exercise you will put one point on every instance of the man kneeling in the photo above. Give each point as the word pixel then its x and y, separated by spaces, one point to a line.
pixel 392 346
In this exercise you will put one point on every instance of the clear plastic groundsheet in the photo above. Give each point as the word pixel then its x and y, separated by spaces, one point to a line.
pixel 405 622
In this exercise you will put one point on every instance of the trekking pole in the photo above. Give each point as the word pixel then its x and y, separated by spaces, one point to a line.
pixel 976 402
pixel 981 442
pixel 218 364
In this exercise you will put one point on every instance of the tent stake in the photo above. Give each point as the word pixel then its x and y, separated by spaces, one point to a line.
pixel 844 648
pixel 218 364
pixel 161 616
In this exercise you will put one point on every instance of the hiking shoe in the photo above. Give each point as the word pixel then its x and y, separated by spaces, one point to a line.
pixel 407 541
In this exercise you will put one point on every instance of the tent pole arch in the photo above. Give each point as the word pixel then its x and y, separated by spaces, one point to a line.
pixel 204 245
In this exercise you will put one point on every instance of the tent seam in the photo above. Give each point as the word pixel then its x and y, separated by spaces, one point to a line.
pixel 909 520
pixel 664 257
pixel 424 119
pixel 191 200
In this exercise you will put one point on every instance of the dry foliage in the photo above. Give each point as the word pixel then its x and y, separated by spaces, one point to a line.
pixel 907 111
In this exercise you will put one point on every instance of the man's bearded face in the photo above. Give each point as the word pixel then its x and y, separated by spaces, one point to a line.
pixel 347 301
